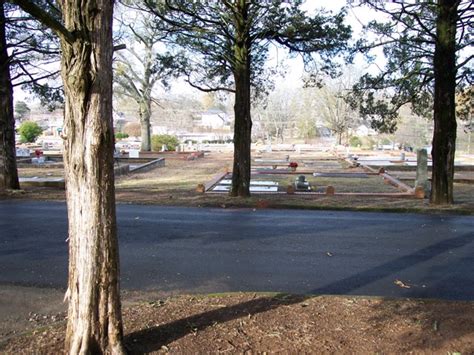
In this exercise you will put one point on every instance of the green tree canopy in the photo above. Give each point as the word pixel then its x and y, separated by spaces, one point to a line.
pixel 34 62
pixel 29 131
pixel 21 109
pixel 226 44
pixel 408 39
pixel 427 62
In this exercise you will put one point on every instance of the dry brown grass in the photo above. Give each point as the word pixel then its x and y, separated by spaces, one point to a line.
pixel 175 184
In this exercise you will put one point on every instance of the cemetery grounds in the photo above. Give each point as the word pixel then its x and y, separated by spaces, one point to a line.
pixel 33 320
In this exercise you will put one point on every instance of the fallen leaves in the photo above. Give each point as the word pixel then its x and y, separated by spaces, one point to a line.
pixel 401 284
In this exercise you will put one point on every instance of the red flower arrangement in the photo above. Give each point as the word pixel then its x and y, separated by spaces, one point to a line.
pixel 293 165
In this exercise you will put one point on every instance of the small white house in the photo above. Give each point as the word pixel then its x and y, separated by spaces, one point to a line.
pixel 364 131
pixel 214 119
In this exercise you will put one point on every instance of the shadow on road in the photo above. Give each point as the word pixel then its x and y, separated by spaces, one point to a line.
pixel 152 339
pixel 393 267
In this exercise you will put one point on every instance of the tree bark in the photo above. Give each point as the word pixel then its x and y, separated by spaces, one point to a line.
pixel 8 169
pixel 94 313
pixel 444 135
pixel 243 122
pixel 145 115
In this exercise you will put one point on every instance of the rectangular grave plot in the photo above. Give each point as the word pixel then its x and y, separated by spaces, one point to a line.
pixel 371 184
pixel 226 188
pixel 342 175
pixel 252 182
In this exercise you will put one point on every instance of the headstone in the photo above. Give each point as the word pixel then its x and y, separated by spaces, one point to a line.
pixel 134 153
pixel 330 190
pixel 419 192
pixel 290 190
pixel 301 184
pixel 402 156
pixel 23 152
pixel 422 170
pixel 164 148
pixel 39 160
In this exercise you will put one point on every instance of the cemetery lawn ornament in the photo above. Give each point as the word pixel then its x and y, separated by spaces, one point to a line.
pixel 293 165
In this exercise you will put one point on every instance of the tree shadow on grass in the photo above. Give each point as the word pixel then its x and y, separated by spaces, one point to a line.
pixel 152 339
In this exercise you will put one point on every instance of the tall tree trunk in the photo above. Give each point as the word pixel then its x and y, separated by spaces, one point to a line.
pixel 8 169
pixel 94 314
pixel 145 115
pixel 444 135
pixel 243 120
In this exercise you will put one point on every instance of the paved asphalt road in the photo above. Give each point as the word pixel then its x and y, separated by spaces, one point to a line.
pixel 219 250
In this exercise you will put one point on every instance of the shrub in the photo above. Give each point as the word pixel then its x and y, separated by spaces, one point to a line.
pixel 121 135
pixel 29 131
pixel 157 142
pixel 355 141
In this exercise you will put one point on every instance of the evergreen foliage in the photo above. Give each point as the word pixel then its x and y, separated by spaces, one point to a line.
pixel 29 131
pixel 21 110
pixel 408 40
pixel 426 45
pixel 226 45
pixel 157 142
pixel 121 135
pixel 34 54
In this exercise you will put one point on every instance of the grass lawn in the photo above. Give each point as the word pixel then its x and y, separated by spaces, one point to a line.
pixel 175 184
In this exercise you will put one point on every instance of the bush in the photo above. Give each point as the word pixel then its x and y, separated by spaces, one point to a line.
pixel 29 131
pixel 157 142
pixel 121 135
pixel 355 141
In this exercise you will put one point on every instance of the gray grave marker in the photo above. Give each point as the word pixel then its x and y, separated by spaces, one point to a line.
pixel 23 152
pixel 134 153
pixel 422 170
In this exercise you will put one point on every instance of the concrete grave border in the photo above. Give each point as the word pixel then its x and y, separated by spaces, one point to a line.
pixel 406 191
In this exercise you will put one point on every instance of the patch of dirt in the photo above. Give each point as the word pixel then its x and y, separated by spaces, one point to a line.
pixel 27 308
pixel 257 323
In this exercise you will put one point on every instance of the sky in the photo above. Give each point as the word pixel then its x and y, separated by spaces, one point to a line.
pixel 355 18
